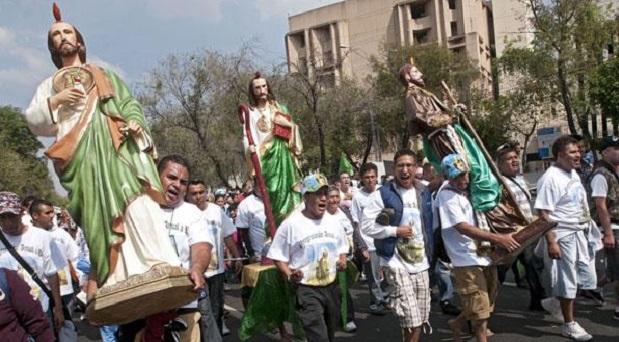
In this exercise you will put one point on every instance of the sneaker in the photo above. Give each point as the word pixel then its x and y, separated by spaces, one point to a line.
pixel 575 332
pixel 616 314
pixel 449 309
pixel 553 306
pixel 350 327
pixel 377 309
pixel 224 329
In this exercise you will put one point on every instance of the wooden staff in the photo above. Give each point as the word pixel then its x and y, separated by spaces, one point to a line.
pixel 243 114
pixel 493 167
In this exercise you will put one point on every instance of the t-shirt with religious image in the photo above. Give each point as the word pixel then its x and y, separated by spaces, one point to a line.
pixel 359 202
pixel 410 254
pixel 562 194
pixel 37 248
pixel 186 226
pixel 599 188
pixel 312 246
pixel 454 208
pixel 251 216
pixel 70 251
pixel 220 226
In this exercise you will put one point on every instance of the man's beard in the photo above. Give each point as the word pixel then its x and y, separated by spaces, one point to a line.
pixel 68 50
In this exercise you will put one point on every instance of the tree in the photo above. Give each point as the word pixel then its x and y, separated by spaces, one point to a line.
pixel 331 116
pixel 21 170
pixel 605 90
pixel 574 34
pixel 191 102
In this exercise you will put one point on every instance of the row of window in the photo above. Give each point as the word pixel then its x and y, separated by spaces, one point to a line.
pixel 418 10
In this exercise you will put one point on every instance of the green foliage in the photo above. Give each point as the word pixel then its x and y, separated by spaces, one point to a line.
pixel 605 88
pixel 21 171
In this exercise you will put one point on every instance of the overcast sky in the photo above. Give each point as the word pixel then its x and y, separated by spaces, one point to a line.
pixel 131 36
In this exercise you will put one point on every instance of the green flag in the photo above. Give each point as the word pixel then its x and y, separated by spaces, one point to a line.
pixel 345 165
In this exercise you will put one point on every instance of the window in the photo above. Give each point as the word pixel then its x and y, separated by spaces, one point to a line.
pixel 452 4
pixel 421 36
pixel 418 11
pixel 454 28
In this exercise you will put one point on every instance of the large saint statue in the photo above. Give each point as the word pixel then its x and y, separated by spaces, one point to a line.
pixel 427 116
pixel 277 142
pixel 103 156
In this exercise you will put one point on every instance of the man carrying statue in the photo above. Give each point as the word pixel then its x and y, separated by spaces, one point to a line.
pixel 494 205
pixel 103 156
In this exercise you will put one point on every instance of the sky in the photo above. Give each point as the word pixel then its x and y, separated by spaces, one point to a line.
pixel 131 36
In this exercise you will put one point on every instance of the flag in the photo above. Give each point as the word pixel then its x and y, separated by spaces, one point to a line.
pixel 345 165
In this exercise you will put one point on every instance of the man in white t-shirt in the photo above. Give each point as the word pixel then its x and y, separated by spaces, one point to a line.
pixel 188 231
pixel 562 197
pixel 222 229
pixel 476 279
pixel 308 249
pixel 371 261
pixel 250 222
pixel 393 218
pixel 37 248
pixel 42 213
pixel 605 207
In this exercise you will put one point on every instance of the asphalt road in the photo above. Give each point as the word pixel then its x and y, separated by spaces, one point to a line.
pixel 512 321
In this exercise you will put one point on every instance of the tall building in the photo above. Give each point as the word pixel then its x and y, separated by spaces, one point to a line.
pixel 338 39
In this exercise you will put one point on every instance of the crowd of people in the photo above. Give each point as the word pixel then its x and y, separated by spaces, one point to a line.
pixel 131 214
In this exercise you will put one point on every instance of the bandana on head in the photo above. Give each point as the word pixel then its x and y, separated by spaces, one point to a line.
pixel 9 203
pixel 313 182
pixel 454 165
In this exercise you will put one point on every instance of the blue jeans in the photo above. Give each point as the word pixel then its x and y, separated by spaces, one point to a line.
pixel 108 333
pixel 442 276
pixel 209 329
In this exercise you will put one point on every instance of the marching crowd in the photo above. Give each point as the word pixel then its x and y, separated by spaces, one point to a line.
pixel 410 234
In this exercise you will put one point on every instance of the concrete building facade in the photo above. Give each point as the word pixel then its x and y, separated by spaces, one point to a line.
pixel 340 38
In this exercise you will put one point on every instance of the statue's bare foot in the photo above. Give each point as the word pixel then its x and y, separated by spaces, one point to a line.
pixel 456 328
pixel 489 333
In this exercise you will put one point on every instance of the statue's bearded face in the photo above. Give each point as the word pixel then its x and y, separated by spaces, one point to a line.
pixel 260 89
pixel 416 76
pixel 64 39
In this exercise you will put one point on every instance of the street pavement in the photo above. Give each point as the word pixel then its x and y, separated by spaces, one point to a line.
pixel 512 321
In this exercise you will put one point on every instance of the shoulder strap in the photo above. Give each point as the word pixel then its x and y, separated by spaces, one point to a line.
pixel 26 267
pixel 4 285
pixel 526 193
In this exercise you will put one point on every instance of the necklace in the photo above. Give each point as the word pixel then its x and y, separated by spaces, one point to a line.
pixel 264 123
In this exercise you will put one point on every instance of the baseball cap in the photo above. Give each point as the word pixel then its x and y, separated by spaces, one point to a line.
pixel 9 203
pixel 609 141
pixel 454 165
pixel 313 183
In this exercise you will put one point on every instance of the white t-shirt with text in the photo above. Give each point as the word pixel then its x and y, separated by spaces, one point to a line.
pixel 39 250
pixel 70 251
pixel 313 246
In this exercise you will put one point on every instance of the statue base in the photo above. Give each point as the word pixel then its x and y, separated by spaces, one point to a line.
pixel 525 237
pixel 161 289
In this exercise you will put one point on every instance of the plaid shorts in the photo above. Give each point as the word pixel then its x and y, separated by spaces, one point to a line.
pixel 410 296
